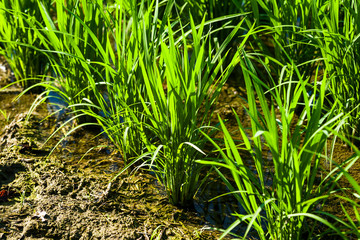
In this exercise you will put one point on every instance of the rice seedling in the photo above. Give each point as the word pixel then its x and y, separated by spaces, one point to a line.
pixel 278 208
pixel 154 91
pixel 19 41
pixel 353 224
pixel 230 11
pixel 338 39
pixel 5 114
pixel 108 87
pixel 182 88
pixel 349 222
pixel 70 47
pixel 121 111
pixel 285 26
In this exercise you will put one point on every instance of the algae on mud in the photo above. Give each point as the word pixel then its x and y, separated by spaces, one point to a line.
pixel 72 198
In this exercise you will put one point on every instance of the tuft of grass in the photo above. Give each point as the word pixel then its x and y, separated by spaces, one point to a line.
pixel 19 42
pixel 182 88
pixel 349 223
pixel 5 115
pixel 279 193
pixel 118 108
pixel 107 87
pixel 338 40
pixel 74 44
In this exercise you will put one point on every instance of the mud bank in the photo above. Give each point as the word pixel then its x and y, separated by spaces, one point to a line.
pixel 49 198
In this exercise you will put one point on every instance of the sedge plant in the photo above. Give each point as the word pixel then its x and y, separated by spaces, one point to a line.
pixel 278 208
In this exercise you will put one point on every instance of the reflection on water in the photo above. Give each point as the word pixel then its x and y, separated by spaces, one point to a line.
pixel 56 103
pixel 217 212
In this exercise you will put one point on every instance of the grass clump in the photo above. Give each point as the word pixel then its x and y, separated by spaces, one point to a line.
pixel 338 40
pixel 277 202
pixel 182 89
pixel 19 43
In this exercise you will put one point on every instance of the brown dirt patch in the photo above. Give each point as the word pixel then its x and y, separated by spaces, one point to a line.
pixel 54 199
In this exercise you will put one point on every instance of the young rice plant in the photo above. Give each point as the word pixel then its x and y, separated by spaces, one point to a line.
pixel 278 209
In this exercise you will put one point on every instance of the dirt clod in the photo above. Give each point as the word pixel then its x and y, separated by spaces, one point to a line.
pixel 55 199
